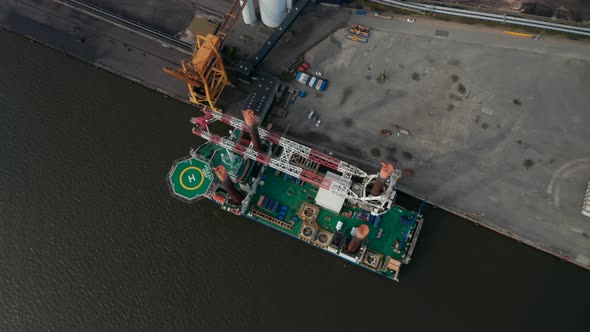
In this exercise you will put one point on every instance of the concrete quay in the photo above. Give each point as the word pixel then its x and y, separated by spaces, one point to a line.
pixel 96 41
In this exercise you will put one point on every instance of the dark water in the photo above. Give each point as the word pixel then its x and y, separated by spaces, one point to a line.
pixel 90 238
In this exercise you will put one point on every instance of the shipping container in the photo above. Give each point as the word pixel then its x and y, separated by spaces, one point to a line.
pixel 376 221
pixel 312 81
pixel 321 85
pixel 371 219
pixel 302 77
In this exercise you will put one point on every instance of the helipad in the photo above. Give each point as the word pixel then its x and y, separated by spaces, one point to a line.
pixel 190 178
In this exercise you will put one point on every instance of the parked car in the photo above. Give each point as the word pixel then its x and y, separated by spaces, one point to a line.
pixel 411 20
pixel 304 66
pixel 318 123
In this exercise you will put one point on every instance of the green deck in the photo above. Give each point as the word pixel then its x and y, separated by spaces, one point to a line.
pixel 192 177
pixel 234 164
pixel 293 195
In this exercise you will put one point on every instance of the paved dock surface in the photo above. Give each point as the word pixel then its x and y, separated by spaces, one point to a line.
pixel 496 122
pixel 96 41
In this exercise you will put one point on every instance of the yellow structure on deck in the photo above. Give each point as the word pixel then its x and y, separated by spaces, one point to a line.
pixel 205 73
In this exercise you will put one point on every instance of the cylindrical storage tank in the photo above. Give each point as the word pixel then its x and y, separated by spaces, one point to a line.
pixel 272 12
pixel 248 13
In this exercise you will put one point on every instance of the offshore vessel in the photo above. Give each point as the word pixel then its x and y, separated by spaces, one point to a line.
pixel 301 192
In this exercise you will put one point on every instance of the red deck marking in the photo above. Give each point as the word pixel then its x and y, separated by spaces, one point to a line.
pixel 215 139
pixel 324 159
pixel 315 179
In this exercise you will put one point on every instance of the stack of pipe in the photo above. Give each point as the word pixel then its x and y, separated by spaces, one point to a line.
pixel 361 233
pixel 253 128
pixel 227 184
pixel 386 171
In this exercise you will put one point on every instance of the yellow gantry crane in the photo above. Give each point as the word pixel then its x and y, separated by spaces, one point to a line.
pixel 205 73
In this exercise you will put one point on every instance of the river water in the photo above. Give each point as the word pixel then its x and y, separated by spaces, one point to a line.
pixel 90 238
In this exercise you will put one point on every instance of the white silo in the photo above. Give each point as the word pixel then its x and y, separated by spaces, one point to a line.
pixel 248 13
pixel 273 12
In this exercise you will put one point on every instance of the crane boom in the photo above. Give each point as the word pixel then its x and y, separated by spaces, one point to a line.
pixel 230 20
pixel 282 162
pixel 340 186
